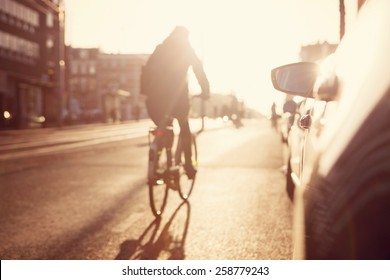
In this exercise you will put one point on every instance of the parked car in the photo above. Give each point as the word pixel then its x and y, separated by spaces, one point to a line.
pixel 307 125
pixel 340 144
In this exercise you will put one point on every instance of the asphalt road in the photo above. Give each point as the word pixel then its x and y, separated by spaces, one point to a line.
pixel 91 201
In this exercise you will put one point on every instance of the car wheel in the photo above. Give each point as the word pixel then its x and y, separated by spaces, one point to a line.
pixel 346 215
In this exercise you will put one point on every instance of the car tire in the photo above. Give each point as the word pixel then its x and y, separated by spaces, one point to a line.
pixel 346 215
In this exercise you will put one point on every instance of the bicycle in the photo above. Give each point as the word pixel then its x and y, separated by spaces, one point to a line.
pixel 166 166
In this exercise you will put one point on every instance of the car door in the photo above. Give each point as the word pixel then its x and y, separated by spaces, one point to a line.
pixel 296 137
pixel 313 123
pixel 309 123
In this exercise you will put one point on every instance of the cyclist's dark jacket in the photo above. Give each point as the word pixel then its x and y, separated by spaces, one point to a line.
pixel 167 92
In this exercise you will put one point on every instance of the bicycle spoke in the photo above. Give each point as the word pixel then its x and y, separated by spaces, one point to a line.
pixel 158 189
pixel 185 184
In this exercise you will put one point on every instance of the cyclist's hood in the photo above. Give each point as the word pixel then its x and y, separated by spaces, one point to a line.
pixel 179 35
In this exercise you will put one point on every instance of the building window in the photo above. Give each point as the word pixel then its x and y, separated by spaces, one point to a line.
pixel 83 54
pixel 19 45
pixel 74 68
pixel 49 20
pixel 19 12
pixel 83 68
pixel 35 19
pixel 49 43
pixel 92 69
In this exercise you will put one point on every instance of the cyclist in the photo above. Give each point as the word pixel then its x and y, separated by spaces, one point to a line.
pixel 164 82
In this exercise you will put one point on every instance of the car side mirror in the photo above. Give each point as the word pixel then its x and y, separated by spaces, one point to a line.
pixel 296 78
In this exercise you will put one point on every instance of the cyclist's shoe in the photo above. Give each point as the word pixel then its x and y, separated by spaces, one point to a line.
pixel 190 171
pixel 157 177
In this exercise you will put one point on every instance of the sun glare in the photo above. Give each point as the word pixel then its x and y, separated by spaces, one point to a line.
pixel 238 41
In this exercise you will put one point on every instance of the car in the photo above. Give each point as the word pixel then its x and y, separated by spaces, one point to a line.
pixel 339 144
pixel 310 116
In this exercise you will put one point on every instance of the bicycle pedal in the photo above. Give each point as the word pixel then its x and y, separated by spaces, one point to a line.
pixel 155 180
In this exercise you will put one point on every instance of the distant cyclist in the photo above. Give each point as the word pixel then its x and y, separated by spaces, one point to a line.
pixel 164 82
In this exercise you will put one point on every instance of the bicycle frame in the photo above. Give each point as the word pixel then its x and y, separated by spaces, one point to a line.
pixel 170 174
pixel 163 138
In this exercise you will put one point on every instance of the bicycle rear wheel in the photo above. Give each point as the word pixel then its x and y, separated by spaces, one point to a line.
pixel 186 185
pixel 158 188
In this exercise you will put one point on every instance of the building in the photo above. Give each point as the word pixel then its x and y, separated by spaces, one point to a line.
pixel 81 98
pixel 31 63
pixel 119 85
pixel 103 87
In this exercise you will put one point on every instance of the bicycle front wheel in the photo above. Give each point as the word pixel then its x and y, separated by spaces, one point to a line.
pixel 158 188
pixel 186 184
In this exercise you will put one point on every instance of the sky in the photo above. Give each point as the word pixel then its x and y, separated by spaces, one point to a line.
pixel 239 41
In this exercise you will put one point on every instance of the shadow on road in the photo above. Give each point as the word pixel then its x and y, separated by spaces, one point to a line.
pixel 170 241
